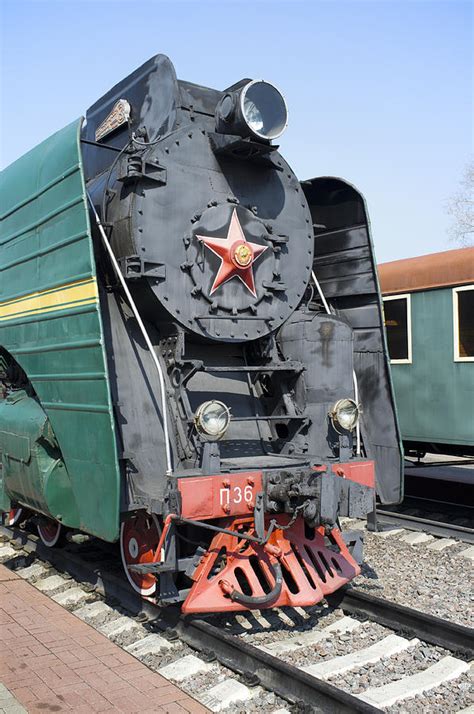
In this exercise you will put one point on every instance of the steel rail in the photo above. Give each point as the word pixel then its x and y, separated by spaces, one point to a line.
pixel 416 523
pixel 260 667
pixel 442 633
pixel 462 461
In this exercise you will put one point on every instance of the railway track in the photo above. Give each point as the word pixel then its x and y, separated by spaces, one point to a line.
pixel 441 507
pixel 432 526
pixel 261 648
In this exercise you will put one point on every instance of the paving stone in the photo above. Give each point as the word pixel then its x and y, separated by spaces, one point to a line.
pixel 50 583
pixel 35 570
pixel 441 544
pixel 116 627
pixel 416 538
pixel 468 553
pixel 226 693
pixel 387 532
pixel 149 645
pixel 8 703
pixel 93 609
pixel 4 693
pixel 443 671
pixel 6 551
pixel 71 597
pixel 185 667
pixel 368 655
pixel 306 639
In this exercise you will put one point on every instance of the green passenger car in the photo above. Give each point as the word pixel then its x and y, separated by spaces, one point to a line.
pixel 51 324
pixel 429 319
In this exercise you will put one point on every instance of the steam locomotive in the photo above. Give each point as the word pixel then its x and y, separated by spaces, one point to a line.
pixel 192 355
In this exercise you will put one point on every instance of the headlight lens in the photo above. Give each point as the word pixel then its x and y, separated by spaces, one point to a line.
pixel 345 414
pixel 264 109
pixel 212 419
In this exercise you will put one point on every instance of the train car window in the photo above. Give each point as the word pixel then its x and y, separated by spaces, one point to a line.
pixel 397 312
pixel 463 314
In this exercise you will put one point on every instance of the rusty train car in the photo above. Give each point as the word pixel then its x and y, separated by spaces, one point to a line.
pixel 192 354
pixel 429 319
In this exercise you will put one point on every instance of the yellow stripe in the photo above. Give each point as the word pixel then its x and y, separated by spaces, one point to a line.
pixel 62 298
pixel 47 291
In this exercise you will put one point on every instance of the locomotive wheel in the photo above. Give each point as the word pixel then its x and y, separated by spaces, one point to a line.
pixel 15 516
pixel 139 537
pixel 50 532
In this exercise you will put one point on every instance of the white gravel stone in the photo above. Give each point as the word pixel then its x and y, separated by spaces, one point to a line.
pixel 116 627
pixel 446 669
pixel 416 538
pixel 226 693
pixel 441 544
pixel 73 596
pixel 243 622
pixel 185 667
pixel 285 618
pixel 35 570
pixel 6 551
pixel 390 645
pixel 358 525
pixel 468 553
pixel 151 644
pixel 261 619
pixel 50 583
pixel 467 710
pixel 386 533
pixel 306 639
pixel 93 609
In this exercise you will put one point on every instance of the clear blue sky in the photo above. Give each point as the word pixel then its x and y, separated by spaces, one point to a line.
pixel 379 92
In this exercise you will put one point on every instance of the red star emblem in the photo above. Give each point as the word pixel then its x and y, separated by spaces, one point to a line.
pixel 237 255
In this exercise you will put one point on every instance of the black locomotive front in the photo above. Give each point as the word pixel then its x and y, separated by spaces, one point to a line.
pixel 241 435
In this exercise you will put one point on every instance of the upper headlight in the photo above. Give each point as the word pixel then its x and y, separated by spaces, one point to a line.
pixel 256 108
pixel 345 414
pixel 264 109
pixel 212 419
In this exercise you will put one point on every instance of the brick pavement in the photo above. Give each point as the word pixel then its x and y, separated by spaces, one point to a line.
pixel 52 661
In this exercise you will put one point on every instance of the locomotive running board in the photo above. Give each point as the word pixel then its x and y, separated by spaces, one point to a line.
pixel 299 566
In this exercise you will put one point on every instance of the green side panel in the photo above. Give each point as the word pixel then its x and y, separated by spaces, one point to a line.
pixel 50 319
pixel 435 394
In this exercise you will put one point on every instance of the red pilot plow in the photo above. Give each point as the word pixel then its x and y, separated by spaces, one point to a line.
pixel 298 566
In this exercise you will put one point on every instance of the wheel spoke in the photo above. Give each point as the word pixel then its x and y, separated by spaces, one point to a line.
pixel 49 531
pixel 139 537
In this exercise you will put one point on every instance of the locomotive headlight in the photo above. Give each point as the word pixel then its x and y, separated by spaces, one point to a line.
pixel 344 414
pixel 264 109
pixel 254 108
pixel 212 419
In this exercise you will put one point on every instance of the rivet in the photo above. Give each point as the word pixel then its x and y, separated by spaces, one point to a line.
pixel 226 483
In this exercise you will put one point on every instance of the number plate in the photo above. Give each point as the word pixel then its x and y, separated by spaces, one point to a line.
pixel 219 496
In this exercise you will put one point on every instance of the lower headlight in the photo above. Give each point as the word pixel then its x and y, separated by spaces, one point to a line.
pixel 345 414
pixel 212 419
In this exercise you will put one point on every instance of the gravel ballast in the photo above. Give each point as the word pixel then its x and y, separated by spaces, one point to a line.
pixel 438 583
